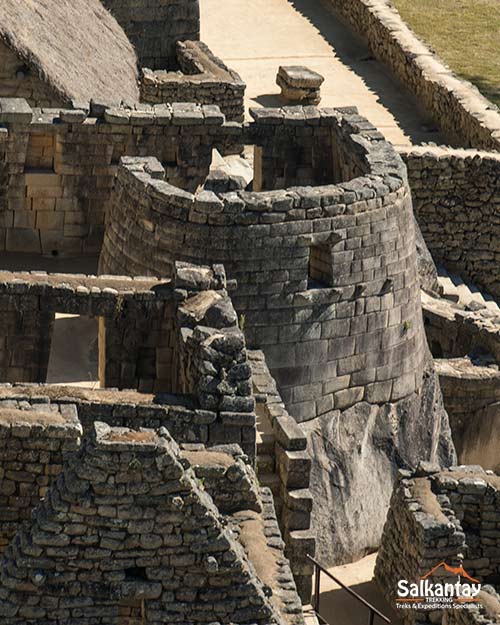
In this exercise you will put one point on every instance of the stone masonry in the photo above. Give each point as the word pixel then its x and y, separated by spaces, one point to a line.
pixel 437 516
pixel 58 167
pixel 155 26
pixel 118 536
pixel 328 345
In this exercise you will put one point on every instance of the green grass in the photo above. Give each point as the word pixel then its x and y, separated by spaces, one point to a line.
pixel 465 34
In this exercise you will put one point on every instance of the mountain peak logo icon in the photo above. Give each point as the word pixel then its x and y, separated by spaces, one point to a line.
pixel 455 570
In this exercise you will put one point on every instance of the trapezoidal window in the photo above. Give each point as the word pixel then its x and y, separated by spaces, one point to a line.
pixel 320 266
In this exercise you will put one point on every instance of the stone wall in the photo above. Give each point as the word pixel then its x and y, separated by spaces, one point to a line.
pixel 165 552
pixel 462 113
pixel 59 167
pixel 486 613
pixel 291 466
pixel 203 78
pixel 18 80
pixel 137 334
pixel 327 345
pixel 35 437
pixel 466 345
pixel 435 517
pixel 192 347
pixel 155 26
pixel 456 203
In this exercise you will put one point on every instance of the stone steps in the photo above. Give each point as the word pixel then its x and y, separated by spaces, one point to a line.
pixel 463 293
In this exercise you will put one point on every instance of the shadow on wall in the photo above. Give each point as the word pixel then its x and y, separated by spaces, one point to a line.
pixel 355 54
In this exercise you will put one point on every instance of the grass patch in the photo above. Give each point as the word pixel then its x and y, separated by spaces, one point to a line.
pixel 465 34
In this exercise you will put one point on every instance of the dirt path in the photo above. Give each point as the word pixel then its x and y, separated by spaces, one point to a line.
pixel 255 37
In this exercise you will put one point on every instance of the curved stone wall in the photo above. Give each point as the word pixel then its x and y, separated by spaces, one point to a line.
pixel 355 335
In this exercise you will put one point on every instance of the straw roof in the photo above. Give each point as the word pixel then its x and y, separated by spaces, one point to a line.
pixel 76 46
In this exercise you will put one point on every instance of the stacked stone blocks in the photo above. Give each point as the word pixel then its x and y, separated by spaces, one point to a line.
pixel 367 327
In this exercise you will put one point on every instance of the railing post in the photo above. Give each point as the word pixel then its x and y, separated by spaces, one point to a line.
pixel 371 618
pixel 317 573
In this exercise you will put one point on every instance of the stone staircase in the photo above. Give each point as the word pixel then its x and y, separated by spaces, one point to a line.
pixel 266 459
pixel 454 289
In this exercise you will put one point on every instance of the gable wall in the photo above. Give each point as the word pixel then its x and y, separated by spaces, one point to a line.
pixel 34 90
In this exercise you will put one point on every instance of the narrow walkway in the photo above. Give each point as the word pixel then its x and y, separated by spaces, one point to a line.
pixel 337 606
pixel 255 37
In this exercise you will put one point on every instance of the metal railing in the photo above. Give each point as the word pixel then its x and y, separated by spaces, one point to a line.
pixel 318 569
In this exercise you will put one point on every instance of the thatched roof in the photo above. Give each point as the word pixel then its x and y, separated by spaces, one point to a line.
pixel 74 45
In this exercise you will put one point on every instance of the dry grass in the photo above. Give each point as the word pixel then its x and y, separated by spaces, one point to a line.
pixel 76 45
pixel 465 34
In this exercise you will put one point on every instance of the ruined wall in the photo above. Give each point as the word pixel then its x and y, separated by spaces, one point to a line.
pixel 456 203
pixel 466 346
pixel 349 355
pixel 193 347
pixel 17 80
pixel 59 167
pixel 327 345
pixel 436 517
pixel 466 116
pixel 154 27
pixel 35 437
pixel 284 446
pixel 203 79
pixel 136 317
pixel 156 564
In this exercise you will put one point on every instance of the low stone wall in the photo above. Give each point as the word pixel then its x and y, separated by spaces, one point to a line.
pixel 467 117
pixel 155 26
pixel 179 336
pixel 456 203
pixel 292 467
pixel 328 345
pixel 466 347
pixel 35 437
pixel 437 517
pixel 164 549
pixel 487 613
pixel 226 475
pixel 58 167
pixel 203 78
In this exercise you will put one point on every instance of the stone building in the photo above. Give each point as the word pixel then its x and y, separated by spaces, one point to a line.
pixel 323 253
pixel 65 53
pixel 443 517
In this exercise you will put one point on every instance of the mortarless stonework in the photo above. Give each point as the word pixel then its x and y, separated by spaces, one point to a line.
pixel 455 198
pixel 129 501
pixel 457 106
pixel 451 516
pixel 327 287
pixel 57 168
pixel 155 26
pixel 466 347
pixel 203 78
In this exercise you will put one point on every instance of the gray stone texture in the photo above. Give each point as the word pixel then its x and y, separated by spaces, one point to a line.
pixel 460 110
pixel 155 26
pixel 455 196
pixel 449 516
pixel 202 78
pixel 355 456
pixel 129 503
pixel 57 168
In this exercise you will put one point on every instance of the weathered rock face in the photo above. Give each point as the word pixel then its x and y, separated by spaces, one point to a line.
pixel 427 271
pixel 355 458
